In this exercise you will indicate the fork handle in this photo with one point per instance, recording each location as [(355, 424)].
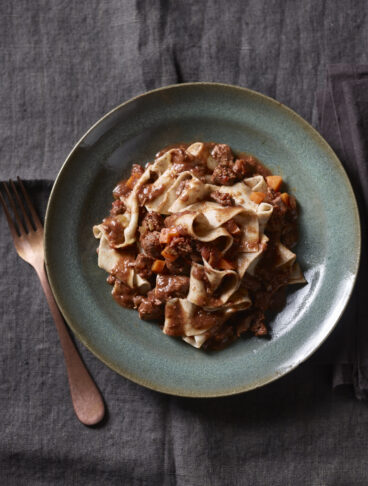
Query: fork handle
[(87, 400)]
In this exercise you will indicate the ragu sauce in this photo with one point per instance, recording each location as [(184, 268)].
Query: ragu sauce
[(164, 253)]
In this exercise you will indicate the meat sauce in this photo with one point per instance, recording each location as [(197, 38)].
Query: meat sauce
[(200, 319), (176, 256)]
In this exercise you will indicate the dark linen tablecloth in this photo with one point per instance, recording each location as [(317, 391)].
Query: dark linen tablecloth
[(64, 64)]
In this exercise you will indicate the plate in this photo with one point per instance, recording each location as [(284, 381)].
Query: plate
[(247, 121)]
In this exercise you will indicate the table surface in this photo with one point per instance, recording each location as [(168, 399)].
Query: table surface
[(65, 64)]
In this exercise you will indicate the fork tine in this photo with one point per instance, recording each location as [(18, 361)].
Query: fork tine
[(8, 217), (29, 226), (15, 211), (35, 217)]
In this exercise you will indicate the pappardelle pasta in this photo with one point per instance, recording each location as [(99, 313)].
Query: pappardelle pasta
[(200, 240)]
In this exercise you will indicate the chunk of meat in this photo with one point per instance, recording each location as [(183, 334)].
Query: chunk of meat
[(258, 327), (223, 175), (278, 300), (178, 267), (293, 205), (292, 212), (211, 254), (142, 213), (277, 219), (243, 169), (232, 227), (182, 161), (289, 234), (125, 186), (118, 207), (120, 190), (114, 230), (143, 265), (265, 269), (151, 222), (200, 171), (151, 308), (253, 166), (272, 197), (285, 198), (148, 192), (123, 294), (251, 283), (222, 153), (150, 242), (180, 155), (137, 299), (243, 322), (170, 286), (222, 198), (224, 336), (180, 246), (273, 282)]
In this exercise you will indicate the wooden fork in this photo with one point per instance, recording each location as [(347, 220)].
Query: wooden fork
[(28, 240)]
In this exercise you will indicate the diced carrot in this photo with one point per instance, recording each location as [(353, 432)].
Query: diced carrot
[(158, 266), (131, 182), (274, 182), (257, 197), (167, 234), (285, 198), (225, 265), (167, 255)]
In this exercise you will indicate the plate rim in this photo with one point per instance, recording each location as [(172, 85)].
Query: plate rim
[(277, 374)]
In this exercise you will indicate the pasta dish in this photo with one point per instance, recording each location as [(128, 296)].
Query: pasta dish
[(200, 240)]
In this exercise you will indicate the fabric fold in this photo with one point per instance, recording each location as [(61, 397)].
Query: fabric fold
[(343, 121)]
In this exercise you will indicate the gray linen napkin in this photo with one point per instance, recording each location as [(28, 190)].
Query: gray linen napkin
[(343, 121)]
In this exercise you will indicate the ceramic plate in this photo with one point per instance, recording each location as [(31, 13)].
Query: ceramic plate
[(247, 121)]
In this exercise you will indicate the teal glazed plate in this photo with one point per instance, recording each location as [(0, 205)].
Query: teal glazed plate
[(328, 251)]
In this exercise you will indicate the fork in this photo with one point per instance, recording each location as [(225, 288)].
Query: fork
[(28, 240)]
